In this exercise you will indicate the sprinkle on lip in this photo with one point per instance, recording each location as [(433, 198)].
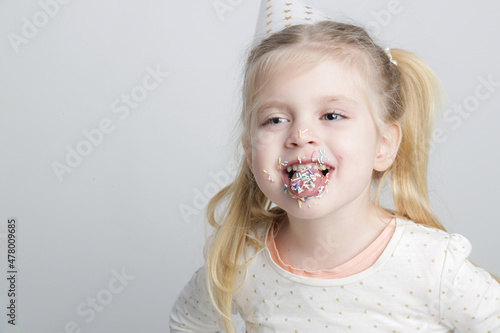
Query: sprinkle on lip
[(304, 179), (341, 156), (323, 155), (281, 164)]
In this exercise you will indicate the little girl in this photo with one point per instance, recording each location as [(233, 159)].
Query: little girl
[(300, 244)]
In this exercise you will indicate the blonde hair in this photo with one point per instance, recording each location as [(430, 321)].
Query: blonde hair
[(408, 93)]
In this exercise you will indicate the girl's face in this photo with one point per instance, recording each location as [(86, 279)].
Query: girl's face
[(317, 122)]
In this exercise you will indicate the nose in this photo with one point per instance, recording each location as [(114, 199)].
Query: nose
[(300, 138)]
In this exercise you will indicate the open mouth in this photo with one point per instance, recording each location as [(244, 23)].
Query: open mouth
[(305, 181), (291, 170)]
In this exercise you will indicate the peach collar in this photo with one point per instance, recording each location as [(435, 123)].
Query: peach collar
[(359, 263)]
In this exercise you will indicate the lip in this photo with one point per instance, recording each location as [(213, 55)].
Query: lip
[(301, 158), (309, 193), (307, 161)]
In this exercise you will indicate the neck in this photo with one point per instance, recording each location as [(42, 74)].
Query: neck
[(331, 240)]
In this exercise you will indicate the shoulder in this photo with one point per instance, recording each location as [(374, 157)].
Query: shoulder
[(433, 237), (434, 248)]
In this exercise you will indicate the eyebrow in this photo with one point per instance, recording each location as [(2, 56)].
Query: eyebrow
[(322, 100), (337, 98), (271, 104)]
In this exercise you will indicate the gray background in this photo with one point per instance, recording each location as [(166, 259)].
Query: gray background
[(119, 210)]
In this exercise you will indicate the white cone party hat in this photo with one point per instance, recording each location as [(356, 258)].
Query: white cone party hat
[(276, 15)]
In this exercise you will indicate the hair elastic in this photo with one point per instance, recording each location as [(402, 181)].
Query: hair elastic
[(389, 54)]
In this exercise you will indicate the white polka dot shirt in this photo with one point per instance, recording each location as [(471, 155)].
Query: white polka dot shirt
[(422, 282)]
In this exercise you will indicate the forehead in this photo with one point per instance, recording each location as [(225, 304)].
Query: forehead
[(329, 80)]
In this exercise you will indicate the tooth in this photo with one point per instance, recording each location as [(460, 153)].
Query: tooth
[(294, 167), (289, 169)]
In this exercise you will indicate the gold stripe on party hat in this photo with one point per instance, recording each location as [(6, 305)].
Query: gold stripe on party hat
[(276, 15)]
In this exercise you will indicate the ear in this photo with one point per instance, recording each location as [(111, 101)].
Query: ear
[(247, 146), (388, 146)]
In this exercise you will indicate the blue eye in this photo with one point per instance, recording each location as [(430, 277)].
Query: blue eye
[(332, 116)]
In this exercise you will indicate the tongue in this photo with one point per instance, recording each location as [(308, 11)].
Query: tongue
[(307, 182)]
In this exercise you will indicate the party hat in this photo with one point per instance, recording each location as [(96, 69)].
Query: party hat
[(276, 15)]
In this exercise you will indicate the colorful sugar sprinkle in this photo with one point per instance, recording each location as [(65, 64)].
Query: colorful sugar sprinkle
[(269, 176), (305, 179), (281, 164), (323, 155)]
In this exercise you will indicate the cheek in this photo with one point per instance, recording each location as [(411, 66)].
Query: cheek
[(356, 149), (261, 139), (266, 146), (265, 157)]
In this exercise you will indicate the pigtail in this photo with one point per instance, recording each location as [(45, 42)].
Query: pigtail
[(420, 99), (245, 208)]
